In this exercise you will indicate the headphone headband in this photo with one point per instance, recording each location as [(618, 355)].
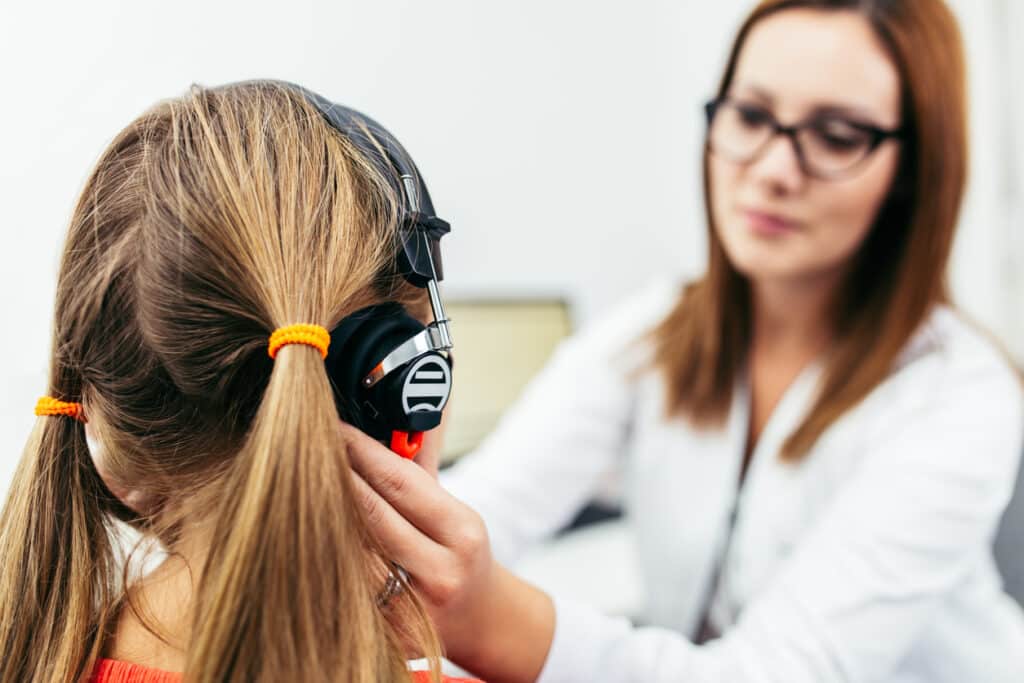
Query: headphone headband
[(421, 229), (376, 143)]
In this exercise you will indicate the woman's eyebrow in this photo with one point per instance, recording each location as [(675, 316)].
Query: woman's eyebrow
[(849, 111), (852, 114), (757, 91)]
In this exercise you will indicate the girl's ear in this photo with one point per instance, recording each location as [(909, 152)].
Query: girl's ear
[(134, 499)]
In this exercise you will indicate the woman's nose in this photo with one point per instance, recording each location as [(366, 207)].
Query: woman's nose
[(778, 166)]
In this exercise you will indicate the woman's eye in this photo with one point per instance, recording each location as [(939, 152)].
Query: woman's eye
[(841, 143), (839, 136), (752, 116)]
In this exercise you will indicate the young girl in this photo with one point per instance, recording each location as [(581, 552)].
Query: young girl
[(185, 401)]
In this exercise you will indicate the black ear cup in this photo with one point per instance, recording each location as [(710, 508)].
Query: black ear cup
[(415, 397), (410, 398)]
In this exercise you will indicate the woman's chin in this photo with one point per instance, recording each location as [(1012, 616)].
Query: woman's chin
[(774, 262)]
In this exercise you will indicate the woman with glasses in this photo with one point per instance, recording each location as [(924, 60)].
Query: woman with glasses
[(817, 445)]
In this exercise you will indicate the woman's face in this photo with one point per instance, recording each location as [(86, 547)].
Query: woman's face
[(775, 222)]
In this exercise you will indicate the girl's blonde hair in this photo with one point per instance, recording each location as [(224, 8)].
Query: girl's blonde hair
[(209, 222)]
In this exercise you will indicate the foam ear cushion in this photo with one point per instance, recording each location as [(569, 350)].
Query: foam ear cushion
[(358, 343)]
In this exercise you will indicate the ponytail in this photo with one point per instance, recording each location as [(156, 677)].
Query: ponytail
[(288, 542), (56, 560)]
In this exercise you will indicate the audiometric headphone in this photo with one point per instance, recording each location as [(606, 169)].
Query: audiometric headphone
[(391, 374)]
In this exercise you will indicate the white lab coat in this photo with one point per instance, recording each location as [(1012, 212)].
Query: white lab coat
[(868, 561)]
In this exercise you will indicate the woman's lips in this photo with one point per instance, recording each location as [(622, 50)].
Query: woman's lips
[(769, 224)]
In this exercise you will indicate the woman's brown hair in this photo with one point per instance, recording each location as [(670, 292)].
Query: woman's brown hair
[(209, 222), (898, 275)]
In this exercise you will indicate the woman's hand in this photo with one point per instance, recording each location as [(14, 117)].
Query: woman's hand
[(492, 623), (440, 541)]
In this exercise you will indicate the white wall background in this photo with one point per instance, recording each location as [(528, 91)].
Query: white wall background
[(560, 138)]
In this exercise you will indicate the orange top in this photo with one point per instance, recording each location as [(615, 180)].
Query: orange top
[(116, 671)]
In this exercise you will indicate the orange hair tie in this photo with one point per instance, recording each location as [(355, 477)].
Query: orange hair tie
[(48, 405), (303, 333)]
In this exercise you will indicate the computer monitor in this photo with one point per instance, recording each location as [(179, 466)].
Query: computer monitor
[(500, 344)]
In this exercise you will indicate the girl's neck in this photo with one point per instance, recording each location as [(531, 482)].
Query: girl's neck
[(164, 596)]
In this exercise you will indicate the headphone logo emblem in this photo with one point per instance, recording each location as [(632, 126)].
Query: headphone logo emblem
[(427, 385)]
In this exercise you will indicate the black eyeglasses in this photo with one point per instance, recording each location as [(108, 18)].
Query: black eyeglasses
[(828, 147)]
